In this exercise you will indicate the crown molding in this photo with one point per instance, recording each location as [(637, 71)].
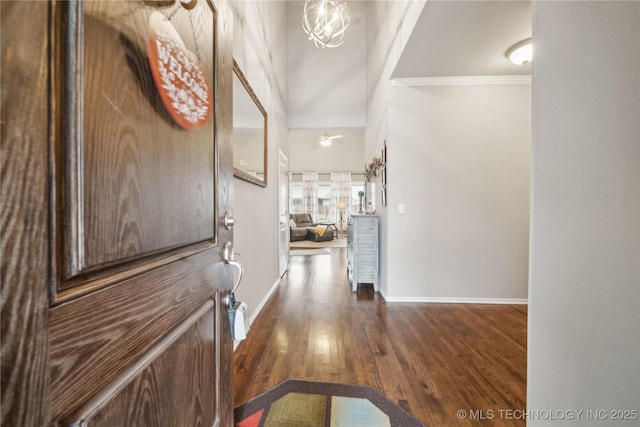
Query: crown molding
[(461, 81)]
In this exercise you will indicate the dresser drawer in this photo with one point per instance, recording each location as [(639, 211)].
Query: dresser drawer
[(363, 250)]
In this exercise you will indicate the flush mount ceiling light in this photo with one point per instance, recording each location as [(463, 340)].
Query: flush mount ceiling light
[(521, 52), (325, 21)]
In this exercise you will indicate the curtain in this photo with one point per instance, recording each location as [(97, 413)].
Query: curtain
[(293, 209), (310, 193), (340, 193)]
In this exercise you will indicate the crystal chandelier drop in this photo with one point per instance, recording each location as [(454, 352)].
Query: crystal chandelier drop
[(325, 21)]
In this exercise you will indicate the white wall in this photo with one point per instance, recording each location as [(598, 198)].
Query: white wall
[(460, 165), (389, 25), (584, 299), (457, 253), (260, 48)]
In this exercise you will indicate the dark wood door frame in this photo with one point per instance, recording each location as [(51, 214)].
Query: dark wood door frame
[(42, 341)]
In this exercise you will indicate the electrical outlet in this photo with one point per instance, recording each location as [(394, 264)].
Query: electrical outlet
[(400, 208)]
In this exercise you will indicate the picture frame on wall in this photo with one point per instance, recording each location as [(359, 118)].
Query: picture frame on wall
[(384, 164), (384, 195), (384, 174), (384, 154)]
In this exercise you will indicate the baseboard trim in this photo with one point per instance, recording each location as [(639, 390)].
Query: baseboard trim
[(264, 301), (445, 300), (259, 308)]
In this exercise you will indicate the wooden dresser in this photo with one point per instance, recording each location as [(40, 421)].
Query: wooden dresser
[(363, 250)]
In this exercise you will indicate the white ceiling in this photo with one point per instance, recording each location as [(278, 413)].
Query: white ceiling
[(466, 38), (327, 87)]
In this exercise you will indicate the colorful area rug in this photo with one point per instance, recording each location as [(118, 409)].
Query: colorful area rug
[(298, 403)]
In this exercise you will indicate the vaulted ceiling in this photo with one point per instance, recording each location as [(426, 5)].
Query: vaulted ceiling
[(327, 87)]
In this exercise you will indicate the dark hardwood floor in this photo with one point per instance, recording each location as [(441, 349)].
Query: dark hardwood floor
[(434, 360)]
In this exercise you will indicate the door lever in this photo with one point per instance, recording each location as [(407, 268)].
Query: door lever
[(228, 256), (237, 311)]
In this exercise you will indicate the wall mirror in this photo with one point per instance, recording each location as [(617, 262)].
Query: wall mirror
[(249, 132)]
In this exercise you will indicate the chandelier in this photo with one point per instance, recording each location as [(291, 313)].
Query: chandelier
[(325, 21)]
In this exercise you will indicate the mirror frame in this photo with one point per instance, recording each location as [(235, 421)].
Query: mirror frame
[(237, 172)]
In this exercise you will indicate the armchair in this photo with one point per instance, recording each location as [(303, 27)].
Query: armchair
[(298, 229)]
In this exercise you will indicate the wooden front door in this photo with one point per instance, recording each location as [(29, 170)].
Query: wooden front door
[(113, 281)]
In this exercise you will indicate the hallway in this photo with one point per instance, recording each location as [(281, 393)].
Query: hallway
[(446, 364)]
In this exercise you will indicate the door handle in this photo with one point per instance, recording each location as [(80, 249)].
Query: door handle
[(238, 265), (228, 257), (236, 310)]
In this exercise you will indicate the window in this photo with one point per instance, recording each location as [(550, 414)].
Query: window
[(355, 200), (297, 205), (324, 202), (324, 213)]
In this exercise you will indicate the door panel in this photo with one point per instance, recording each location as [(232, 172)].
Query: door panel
[(126, 313), (132, 184), (96, 337), (124, 123), (141, 393)]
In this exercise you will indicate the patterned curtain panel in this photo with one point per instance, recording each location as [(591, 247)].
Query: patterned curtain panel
[(310, 193), (340, 193), (292, 207)]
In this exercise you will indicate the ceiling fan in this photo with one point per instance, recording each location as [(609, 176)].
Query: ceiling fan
[(326, 140)]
